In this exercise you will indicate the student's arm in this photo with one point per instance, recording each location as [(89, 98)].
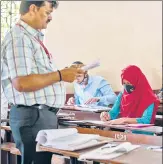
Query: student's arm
[(76, 99), (109, 97), (114, 112), (145, 119), (147, 115)]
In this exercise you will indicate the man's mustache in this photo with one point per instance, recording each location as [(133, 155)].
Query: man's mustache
[(48, 20)]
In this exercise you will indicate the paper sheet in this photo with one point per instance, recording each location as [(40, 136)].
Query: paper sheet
[(91, 66), (139, 125), (109, 153), (93, 108)]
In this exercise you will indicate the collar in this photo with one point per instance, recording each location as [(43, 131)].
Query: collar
[(90, 80), (31, 30)]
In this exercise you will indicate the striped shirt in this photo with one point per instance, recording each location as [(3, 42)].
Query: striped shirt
[(22, 55)]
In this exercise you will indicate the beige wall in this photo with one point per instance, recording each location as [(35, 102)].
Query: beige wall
[(118, 33)]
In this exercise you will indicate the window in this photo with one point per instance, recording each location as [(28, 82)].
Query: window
[(9, 15)]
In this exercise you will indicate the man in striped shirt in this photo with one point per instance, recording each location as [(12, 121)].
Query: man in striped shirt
[(30, 80)]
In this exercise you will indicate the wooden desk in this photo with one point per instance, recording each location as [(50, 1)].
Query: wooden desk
[(6, 128), (152, 129), (140, 155), (82, 115), (96, 109), (74, 155), (130, 137)]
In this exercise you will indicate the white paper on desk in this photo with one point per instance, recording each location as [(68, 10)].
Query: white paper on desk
[(65, 114), (67, 139), (139, 125), (49, 135), (109, 153), (91, 66), (93, 108)]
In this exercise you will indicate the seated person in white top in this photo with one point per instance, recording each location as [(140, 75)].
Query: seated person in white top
[(91, 90)]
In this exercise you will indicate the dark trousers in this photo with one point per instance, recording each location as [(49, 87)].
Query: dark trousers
[(25, 123)]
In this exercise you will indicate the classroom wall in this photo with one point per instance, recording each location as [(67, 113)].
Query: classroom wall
[(117, 33)]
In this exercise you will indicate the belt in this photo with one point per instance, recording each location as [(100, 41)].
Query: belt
[(41, 106)]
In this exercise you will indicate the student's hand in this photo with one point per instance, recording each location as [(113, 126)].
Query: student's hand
[(119, 121), (92, 100), (71, 101), (104, 116), (69, 74)]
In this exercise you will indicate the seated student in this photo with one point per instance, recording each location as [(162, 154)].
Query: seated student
[(91, 90), (136, 104), (160, 95)]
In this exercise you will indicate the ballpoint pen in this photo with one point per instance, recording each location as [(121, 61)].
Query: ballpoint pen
[(109, 146), (153, 148)]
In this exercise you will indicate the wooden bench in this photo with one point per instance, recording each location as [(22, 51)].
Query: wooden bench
[(10, 147), (7, 128)]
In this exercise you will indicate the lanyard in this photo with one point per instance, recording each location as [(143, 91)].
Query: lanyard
[(41, 43)]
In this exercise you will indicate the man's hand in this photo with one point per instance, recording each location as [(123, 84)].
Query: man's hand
[(104, 116), (119, 121), (34, 82), (71, 101), (69, 74), (92, 100)]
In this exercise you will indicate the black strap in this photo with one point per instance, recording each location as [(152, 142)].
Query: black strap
[(60, 75)]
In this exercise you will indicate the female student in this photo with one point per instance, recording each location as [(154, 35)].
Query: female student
[(136, 103)]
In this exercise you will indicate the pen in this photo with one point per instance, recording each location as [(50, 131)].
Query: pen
[(160, 147), (109, 146)]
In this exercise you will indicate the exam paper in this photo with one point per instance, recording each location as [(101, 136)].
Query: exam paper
[(91, 66), (109, 153)]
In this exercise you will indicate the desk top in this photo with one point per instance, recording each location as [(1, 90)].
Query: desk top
[(99, 109), (153, 129), (85, 108), (81, 115), (122, 136), (140, 155)]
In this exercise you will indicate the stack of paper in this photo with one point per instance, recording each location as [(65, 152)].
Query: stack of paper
[(67, 139), (107, 152)]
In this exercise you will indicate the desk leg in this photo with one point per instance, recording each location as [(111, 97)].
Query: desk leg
[(94, 162), (74, 160), (18, 159)]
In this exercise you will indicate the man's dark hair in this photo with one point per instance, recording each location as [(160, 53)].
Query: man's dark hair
[(25, 4), (77, 62)]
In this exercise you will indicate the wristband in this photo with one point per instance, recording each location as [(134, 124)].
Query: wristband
[(59, 75)]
